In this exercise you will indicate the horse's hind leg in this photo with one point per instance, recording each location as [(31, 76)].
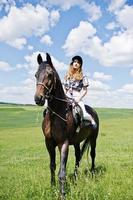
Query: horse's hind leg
[(93, 153), (77, 156), (51, 149)]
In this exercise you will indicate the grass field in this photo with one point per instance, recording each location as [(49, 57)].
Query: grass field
[(24, 161)]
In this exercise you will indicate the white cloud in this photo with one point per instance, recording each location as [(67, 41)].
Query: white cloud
[(77, 37), (101, 95), (125, 17), (6, 4), (18, 43), (122, 56), (4, 66), (93, 11), (98, 86), (65, 5), (114, 54), (28, 82), (46, 39), (109, 53), (59, 65), (54, 17), (116, 5), (112, 25), (30, 47), (131, 72), (112, 99), (31, 64), (26, 21), (21, 66), (22, 94), (128, 88), (101, 76)]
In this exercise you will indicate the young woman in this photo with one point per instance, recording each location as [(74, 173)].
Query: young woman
[(76, 86)]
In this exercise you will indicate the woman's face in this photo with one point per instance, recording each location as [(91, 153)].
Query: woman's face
[(76, 64)]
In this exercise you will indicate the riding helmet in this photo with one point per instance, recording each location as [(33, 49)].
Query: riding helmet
[(78, 58)]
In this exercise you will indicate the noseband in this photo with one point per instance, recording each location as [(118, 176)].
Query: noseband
[(47, 95), (39, 83)]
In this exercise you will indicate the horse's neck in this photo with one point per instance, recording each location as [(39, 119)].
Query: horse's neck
[(58, 101)]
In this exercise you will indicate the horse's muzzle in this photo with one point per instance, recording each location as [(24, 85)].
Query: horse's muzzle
[(39, 100)]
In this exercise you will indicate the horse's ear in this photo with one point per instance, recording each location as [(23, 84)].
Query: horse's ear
[(48, 58), (39, 59)]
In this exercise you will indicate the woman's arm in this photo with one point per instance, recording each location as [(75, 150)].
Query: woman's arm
[(83, 92), (66, 86)]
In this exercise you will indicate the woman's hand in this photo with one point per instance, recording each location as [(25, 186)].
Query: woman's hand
[(77, 100)]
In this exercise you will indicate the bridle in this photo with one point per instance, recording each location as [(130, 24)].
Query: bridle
[(52, 96), (49, 97), (39, 83)]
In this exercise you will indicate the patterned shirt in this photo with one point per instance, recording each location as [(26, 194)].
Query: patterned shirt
[(76, 84)]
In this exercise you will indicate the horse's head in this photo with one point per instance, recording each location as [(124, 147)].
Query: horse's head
[(45, 79)]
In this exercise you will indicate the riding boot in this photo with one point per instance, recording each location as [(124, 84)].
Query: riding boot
[(88, 120)]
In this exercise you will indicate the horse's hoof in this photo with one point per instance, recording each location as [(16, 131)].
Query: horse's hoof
[(75, 176), (63, 197), (92, 172)]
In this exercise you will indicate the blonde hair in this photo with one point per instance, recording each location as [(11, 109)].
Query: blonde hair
[(72, 74)]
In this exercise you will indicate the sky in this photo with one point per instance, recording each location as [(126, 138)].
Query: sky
[(100, 31)]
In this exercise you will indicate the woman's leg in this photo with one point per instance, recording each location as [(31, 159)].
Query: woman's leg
[(86, 116)]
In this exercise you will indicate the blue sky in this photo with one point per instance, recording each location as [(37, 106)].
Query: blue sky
[(100, 31)]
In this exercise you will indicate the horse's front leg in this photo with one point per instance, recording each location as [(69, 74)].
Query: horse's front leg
[(64, 148), (77, 156), (51, 149)]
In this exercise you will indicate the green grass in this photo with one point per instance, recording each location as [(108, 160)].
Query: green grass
[(18, 117), (24, 160)]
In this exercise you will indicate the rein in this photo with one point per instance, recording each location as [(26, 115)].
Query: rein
[(57, 114), (48, 95), (64, 100)]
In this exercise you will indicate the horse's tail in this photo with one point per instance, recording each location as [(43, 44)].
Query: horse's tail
[(85, 147)]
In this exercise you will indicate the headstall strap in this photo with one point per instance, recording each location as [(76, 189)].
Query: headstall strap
[(48, 92)]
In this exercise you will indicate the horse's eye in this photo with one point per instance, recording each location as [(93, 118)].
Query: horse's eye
[(50, 76), (36, 74)]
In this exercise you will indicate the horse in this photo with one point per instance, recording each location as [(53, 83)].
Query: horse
[(59, 124)]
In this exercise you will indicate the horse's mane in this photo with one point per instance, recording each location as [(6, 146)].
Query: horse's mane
[(58, 81)]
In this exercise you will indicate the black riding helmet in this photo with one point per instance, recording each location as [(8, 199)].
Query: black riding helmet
[(78, 58)]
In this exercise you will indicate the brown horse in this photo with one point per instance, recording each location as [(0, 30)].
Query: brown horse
[(59, 125)]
